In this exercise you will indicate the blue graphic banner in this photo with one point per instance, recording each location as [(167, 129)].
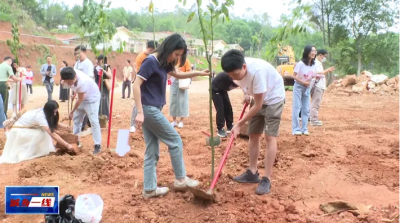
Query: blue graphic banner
[(32, 199)]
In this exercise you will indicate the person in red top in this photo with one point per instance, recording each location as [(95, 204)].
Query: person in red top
[(29, 79)]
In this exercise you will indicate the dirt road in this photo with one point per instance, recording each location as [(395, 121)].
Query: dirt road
[(354, 157)]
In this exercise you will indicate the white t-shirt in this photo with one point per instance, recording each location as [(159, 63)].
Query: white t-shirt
[(32, 118), (304, 72), (85, 84), (262, 78), (29, 77), (319, 68), (85, 66)]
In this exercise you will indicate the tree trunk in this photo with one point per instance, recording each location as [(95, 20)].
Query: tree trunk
[(358, 57), (323, 20)]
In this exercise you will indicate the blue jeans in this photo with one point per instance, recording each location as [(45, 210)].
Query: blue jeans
[(156, 127), (92, 112), (301, 101)]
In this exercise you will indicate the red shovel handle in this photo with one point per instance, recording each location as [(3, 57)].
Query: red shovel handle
[(205, 133), (222, 163)]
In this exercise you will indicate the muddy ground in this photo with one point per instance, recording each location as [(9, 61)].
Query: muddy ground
[(353, 157)]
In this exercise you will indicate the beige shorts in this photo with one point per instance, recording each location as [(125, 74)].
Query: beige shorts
[(267, 120)]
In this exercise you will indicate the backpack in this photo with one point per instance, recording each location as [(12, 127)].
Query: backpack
[(66, 207)]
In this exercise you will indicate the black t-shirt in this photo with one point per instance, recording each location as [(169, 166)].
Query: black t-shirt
[(48, 78), (223, 82), (97, 76)]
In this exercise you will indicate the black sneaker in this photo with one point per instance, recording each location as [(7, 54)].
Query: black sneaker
[(229, 129), (221, 133), (97, 149), (248, 177), (264, 187)]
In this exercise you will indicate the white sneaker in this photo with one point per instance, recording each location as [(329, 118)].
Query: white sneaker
[(186, 183), (180, 125), (306, 133), (173, 124), (160, 191), (132, 129)]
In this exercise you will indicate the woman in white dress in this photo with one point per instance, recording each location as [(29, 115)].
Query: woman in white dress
[(31, 134)]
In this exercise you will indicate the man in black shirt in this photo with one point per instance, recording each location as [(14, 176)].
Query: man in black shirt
[(221, 84)]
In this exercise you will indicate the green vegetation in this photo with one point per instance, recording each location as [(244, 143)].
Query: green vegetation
[(359, 34)]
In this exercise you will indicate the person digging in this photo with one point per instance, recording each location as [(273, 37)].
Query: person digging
[(87, 103), (260, 80)]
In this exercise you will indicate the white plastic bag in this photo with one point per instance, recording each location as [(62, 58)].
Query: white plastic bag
[(185, 83), (88, 208)]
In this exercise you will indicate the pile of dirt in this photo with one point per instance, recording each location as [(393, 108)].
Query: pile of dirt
[(365, 83)]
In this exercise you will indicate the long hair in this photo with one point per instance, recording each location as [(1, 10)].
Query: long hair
[(167, 47), (306, 52), (12, 66), (52, 119), (102, 62)]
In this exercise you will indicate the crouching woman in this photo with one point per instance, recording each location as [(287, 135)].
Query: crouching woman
[(32, 133)]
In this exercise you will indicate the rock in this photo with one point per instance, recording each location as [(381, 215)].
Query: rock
[(121, 165), (311, 153), (23, 173), (289, 158), (292, 218), (349, 80), (239, 193), (358, 88), (290, 207)]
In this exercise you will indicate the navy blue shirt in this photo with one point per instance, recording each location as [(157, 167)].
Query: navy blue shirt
[(153, 89)]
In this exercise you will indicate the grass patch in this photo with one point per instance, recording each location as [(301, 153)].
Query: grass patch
[(203, 66), (288, 88)]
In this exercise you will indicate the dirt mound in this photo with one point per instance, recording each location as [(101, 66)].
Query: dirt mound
[(365, 83)]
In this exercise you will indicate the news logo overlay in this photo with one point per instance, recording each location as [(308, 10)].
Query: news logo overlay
[(32, 200)]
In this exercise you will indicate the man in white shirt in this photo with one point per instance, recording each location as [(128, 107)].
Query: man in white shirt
[(127, 72), (318, 87), (260, 80), (83, 63), (86, 66), (87, 103)]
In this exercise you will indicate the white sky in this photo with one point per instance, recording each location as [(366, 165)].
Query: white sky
[(274, 8)]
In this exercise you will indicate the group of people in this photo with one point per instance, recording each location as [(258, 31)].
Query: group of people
[(261, 84)]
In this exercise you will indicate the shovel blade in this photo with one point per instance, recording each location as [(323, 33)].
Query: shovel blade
[(202, 194)]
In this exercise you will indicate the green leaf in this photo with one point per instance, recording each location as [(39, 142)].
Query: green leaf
[(191, 16), (184, 2), (225, 10), (199, 3)]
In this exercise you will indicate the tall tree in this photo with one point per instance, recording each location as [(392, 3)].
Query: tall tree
[(364, 17)]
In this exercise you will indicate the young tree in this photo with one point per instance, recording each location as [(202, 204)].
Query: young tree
[(216, 11), (14, 44), (94, 17)]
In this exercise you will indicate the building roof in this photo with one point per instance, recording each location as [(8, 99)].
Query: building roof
[(163, 35)]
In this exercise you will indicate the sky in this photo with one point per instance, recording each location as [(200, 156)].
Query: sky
[(273, 8)]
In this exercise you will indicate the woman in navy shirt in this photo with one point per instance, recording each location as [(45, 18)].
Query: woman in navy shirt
[(149, 92)]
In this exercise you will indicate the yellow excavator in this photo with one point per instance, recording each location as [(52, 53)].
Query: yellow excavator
[(285, 63)]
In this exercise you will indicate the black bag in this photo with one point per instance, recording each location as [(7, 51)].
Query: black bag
[(66, 206)]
